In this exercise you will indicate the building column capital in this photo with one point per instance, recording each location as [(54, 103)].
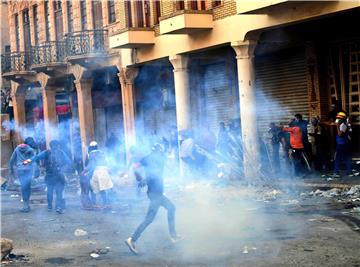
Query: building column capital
[(16, 91), (128, 75), (244, 49), (179, 62), (43, 79), (83, 84), (79, 72)]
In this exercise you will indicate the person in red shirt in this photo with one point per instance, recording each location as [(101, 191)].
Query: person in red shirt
[(296, 145)]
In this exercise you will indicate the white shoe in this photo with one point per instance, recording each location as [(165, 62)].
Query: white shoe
[(131, 245), (176, 239)]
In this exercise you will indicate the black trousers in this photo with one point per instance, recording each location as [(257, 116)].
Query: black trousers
[(155, 203)]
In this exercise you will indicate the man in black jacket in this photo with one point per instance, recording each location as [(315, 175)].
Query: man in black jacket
[(154, 167), (55, 161)]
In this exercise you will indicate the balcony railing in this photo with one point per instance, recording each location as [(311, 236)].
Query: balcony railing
[(86, 43), (15, 62), (47, 53)]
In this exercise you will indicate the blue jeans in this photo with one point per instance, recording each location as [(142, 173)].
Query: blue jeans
[(343, 154), (25, 182), (155, 202), (58, 187)]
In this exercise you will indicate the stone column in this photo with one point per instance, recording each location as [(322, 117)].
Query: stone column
[(18, 100), (246, 80), (127, 77), (182, 97), (50, 116), (182, 91), (86, 118)]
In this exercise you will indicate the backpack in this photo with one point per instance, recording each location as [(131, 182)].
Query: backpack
[(52, 163)]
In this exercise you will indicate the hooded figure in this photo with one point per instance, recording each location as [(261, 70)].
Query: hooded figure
[(23, 172), (55, 162)]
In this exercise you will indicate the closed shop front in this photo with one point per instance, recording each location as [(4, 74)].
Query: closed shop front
[(220, 97), (281, 87), (155, 103)]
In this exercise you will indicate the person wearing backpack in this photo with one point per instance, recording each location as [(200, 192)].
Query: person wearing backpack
[(55, 160)]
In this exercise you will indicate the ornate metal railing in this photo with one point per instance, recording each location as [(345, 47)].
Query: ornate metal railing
[(16, 61), (49, 52), (86, 42)]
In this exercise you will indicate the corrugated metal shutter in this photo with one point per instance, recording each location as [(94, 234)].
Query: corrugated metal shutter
[(114, 121), (218, 96), (100, 126), (281, 88)]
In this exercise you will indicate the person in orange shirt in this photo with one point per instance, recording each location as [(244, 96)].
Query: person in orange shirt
[(296, 145)]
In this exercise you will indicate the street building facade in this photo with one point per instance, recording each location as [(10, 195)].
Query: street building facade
[(83, 70)]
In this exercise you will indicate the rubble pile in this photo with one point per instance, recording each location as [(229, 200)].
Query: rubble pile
[(6, 247), (350, 197)]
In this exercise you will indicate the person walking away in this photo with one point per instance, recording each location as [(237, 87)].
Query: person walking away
[(98, 173), (154, 168), (55, 162), (296, 145), (23, 172), (343, 140), (87, 196), (275, 146)]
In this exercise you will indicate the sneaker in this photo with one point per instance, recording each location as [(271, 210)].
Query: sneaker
[(336, 175), (25, 209), (176, 239), (49, 209), (131, 245), (60, 211)]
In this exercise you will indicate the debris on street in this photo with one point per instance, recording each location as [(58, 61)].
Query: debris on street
[(6, 247), (94, 255), (80, 232)]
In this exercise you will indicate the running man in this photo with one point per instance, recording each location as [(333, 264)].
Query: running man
[(154, 167)]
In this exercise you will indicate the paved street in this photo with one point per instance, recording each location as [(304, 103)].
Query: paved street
[(221, 226)]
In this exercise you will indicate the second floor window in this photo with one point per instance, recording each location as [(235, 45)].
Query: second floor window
[(17, 33), (180, 5), (36, 25), (70, 16), (111, 7), (83, 15), (47, 21), (128, 13), (26, 28), (216, 3)]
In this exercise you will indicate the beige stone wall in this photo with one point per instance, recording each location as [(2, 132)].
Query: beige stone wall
[(4, 27), (167, 7), (226, 9)]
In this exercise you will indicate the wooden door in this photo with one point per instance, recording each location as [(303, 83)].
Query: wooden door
[(97, 14)]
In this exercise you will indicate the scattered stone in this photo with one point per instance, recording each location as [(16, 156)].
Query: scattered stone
[(100, 251), (354, 190), (80, 232), (321, 220), (6, 247), (94, 255)]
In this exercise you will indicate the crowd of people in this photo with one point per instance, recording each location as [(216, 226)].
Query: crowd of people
[(286, 146), (330, 146), (287, 151), (95, 179)]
